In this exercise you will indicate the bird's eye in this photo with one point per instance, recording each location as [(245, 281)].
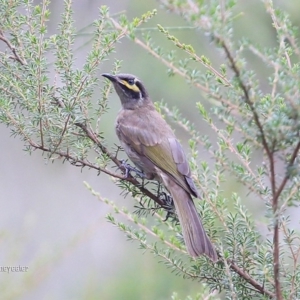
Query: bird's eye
[(130, 81)]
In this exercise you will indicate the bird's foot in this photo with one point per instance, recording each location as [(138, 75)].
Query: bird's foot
[(168, 205), (128, 168)]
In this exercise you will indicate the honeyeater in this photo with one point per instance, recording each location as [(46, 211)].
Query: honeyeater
[(152, 146)]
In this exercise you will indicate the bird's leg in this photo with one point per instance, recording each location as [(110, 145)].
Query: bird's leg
[(128, 168), (159, 192), (168, 205)]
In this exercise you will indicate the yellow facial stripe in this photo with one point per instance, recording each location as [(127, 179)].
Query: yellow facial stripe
[(131, 87)]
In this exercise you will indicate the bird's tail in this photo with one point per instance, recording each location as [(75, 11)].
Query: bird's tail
[(195, 237)]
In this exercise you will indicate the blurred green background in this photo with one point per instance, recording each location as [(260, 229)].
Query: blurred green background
[(52, 224)]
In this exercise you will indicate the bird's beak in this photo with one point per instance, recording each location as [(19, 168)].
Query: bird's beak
[(111, 77)]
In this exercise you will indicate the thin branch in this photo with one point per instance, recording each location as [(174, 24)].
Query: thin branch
[(250, 280), (92, 136), (188, 49), (77, 161), (176, 70), (142, 226), (295, 256), (245, 90), (286, 177), (227, 270), (281, 27), (12, 48)]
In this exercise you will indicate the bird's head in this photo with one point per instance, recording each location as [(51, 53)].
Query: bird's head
[(130, 89)]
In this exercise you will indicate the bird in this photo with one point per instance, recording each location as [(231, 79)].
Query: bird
[(152, 146)]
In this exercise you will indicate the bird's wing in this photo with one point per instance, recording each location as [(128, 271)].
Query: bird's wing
[(161, 148)]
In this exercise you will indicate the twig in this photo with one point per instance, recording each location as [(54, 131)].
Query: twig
[(188, 49), (295, 256), (91, 135), (130, 218), (286, 177), (176, 70), (12, 48), (281, 27), (250, 280)]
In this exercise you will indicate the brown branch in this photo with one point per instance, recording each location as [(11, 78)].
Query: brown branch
[(92, 136), (40, 87), (84, 163), (12, 48), (286, 178), (62, 134), (245, 90), (276, 253), (250, 280), (75, 161), (270, 155)]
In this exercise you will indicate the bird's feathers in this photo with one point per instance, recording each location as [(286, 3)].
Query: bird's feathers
[(196, 239), (160, 146)]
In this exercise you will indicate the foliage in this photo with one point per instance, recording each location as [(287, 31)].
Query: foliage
[(57, 116)]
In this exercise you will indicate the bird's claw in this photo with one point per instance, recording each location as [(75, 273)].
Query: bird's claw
[(168, 205), (128, 168)]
